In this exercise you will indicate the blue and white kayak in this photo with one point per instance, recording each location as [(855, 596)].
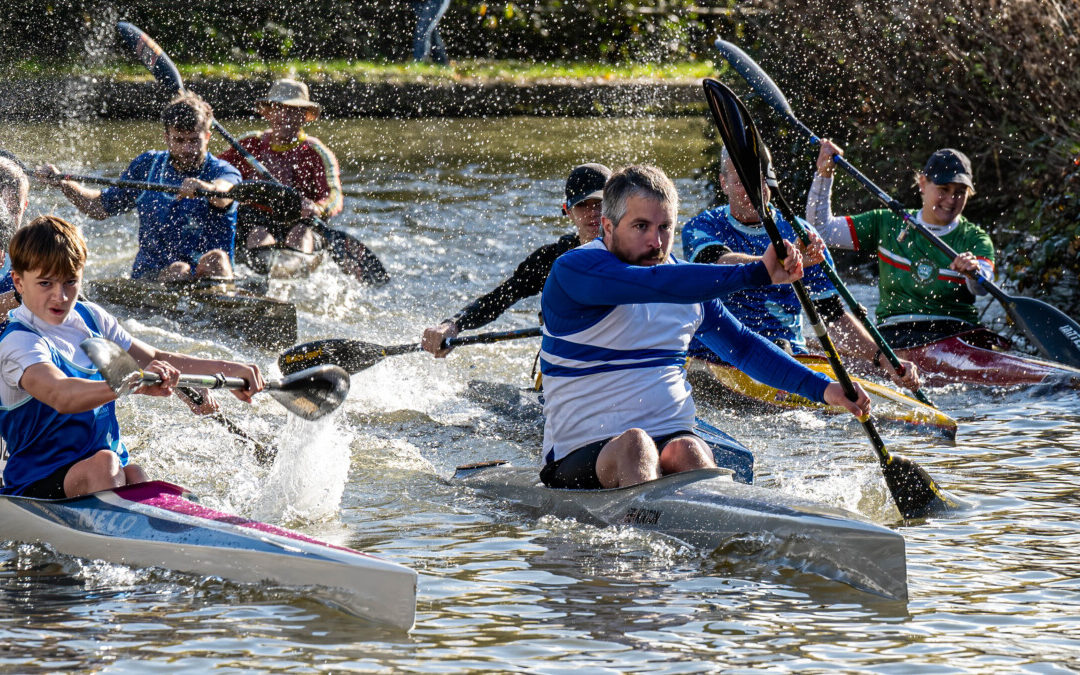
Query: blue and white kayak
[(707, 509), (156, 524)]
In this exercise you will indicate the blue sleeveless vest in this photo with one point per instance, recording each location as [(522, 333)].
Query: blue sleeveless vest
[(41, 440)]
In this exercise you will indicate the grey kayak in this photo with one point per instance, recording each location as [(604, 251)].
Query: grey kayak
[(705, 509)]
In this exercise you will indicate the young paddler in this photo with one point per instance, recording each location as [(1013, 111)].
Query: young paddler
[(584, 190), (57, 416), (619, 314)]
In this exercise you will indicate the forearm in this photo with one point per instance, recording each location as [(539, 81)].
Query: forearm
[(760, 358), (220, 185), (737, 259), (833, 229), (66, 395), (615, 283), (87, 200)]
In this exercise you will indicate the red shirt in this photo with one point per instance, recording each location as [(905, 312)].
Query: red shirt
[(307, 165)]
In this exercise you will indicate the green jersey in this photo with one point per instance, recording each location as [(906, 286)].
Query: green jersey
[(914, 276)]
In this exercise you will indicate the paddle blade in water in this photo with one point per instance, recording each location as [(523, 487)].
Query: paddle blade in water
[(117, 366), (282, 201), (1054, 334), (152, 56), (313, 392), (915, 492), (352, 355)]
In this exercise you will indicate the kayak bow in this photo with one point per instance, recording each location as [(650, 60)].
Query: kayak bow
[(155, 524)]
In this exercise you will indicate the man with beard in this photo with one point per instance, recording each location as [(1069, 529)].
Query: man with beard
[(619, 314), (180, 236), (584, 189)]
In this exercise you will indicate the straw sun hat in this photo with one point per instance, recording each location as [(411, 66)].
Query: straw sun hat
[(291, 93)]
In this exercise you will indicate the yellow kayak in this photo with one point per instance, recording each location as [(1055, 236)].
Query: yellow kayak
[(890, 407)]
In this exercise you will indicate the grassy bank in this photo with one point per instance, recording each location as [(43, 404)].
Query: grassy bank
[(476, 70)]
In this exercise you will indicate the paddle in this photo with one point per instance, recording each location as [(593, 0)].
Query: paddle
[(310, 393), (914, 491), (856, 307), (354, 356), (263, 454), (351, 255), (1054, 334), (282, 201)]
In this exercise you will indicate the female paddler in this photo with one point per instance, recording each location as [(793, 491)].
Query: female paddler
[(922, 291), (57, 415)]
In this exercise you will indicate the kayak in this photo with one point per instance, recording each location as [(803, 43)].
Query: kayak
[(706, 509), (158, 524), (259, 320), (891, 409), (716, 510), (978, 356)]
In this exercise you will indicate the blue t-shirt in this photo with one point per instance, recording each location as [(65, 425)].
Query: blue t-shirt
[(171, 229), (771, 311)]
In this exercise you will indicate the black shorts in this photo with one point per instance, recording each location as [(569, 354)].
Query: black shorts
[(577, 471), (50, 487)]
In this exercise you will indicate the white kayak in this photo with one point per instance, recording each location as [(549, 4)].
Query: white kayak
[(156, 524), (706, 509)]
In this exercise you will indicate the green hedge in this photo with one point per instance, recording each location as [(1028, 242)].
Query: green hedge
[(203, 30)]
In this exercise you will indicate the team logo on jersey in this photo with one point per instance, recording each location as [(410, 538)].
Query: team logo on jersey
[(924, 271)]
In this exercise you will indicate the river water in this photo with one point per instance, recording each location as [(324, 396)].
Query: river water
[(451, 207)]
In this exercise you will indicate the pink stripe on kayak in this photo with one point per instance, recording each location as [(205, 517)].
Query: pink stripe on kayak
[(169, 497)]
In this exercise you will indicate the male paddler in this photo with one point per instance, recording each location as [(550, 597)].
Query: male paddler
[(180, 236), (733, 234), (294, 158), (14, 198), (584, 190), (619, 314), (57, 416)]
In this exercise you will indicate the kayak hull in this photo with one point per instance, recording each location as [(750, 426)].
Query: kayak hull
[(258, 320), (891, 408), (705, 509), (978, 357), (155, 524)]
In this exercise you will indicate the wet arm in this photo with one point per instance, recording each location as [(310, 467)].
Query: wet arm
[(67, 395)]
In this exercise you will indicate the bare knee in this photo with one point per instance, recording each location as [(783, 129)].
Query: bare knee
[(685, 454), (260, 236), (214, 263), (301, 238), (177, 271), (100, 471), (628, 459)]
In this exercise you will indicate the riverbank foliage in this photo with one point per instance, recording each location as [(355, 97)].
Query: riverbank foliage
[(893, 81), (245, 30)]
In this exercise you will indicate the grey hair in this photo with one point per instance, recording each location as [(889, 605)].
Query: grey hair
[(13, 183), (642, 181)]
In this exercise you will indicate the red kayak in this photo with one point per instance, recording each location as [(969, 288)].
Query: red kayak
[(978, 356)]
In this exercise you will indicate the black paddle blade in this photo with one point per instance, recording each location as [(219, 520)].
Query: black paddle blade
[(914, 491), (352, 355), (755, 76), (118, 368), (1054, 334), (152, 56), (353, 257), (740, 138), (281, 200), (313, 392)]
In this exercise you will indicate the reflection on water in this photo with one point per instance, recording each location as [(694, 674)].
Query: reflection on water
[(451, 207)]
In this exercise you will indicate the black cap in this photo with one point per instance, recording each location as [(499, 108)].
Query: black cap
[(586, 182), (949, 166)]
